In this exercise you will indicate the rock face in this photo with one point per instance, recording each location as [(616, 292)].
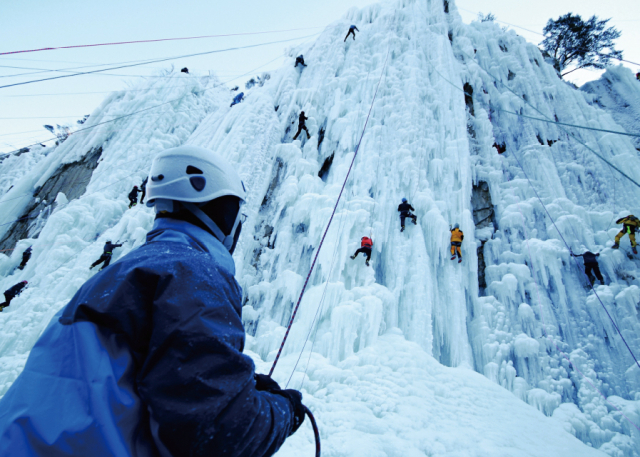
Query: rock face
[(71, 179), (484, 219)]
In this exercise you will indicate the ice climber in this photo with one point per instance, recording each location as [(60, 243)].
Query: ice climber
[(300, 60), (456, 241), (237, 99), (185, 70), (405, 211), (301, 125), (133, 196), (143, 189), (146, 359), (106, 255), (352, 31), (629, 226), (9, 295), (591, 265), (26, 255), (366, 244)]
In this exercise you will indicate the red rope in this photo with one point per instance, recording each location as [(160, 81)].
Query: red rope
[(146, 41), (295, 310)]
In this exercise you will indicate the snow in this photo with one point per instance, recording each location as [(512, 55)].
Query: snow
[(409, 356)]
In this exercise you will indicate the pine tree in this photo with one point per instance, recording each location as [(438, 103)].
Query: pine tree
[(570, 41)]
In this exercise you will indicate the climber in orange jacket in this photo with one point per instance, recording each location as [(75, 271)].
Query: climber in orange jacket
[(629, 226), (366, 244), (456, 241)]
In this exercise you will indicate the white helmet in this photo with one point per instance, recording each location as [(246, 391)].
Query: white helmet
[(193, 175)]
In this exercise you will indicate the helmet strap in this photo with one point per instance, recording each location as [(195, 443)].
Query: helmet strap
[(227, 241)]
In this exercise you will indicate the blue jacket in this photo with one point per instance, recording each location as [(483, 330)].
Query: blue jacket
[(146, 360), (238, 98)]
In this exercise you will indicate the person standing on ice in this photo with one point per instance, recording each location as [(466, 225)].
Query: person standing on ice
[(366, 244), (237, 99), (26, 255), (106, 255), (629, 226), (456, 241), (301, 126), (352, 31), (143, 189), (405, 211), (133, 196), (10, 294), (591, 265), (300, 60), (146, 359)]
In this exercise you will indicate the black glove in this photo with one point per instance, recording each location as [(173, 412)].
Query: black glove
[(265, 383), (295, 398)]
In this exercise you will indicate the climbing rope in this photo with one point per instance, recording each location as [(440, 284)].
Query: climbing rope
[(295, 309), (544, 328), (574, 259)]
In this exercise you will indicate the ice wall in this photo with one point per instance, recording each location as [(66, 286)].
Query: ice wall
[(618, 92), (385, 355)]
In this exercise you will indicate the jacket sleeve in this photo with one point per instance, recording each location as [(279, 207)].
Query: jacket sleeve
[(411, 208), (197, 384)]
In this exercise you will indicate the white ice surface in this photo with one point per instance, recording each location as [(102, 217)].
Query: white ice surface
[(409, 356)]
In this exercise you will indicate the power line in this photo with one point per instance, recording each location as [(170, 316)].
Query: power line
[(155, 61), (151, 41), (146, 109), (568, 125)]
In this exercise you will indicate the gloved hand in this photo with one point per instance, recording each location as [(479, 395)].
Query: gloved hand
[(265, 383), (295, 398)]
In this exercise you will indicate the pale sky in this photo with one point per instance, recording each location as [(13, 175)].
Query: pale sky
[(29, 24)]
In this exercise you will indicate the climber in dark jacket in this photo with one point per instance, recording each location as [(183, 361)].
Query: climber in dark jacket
[(300, 60), (146, 359), (405, 211), (237, 99), (10, 294), (591, 265), (143, 189), (301, 125), (106, 255), (351, 31), (133, 196), (26, 255)]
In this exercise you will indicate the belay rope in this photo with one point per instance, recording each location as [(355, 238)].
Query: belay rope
[(295, 309)]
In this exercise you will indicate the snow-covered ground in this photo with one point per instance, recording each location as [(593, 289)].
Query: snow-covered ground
[(411, 356)]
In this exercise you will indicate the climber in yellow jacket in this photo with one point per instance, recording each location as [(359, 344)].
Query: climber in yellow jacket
[(456, 241), (629, 225)]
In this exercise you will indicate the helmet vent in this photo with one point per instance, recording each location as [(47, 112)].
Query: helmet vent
[(198, 182), (191, 170)]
